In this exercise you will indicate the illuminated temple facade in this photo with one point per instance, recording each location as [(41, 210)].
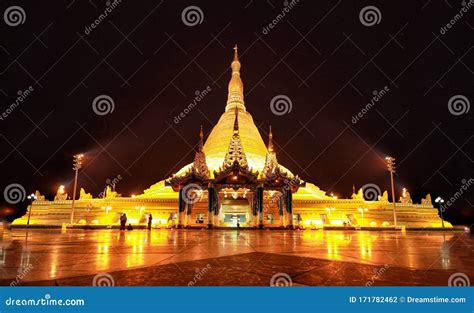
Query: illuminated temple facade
[(234, 180)]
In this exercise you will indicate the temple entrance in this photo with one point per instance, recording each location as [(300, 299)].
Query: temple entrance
[(235, 219), (235, 211)]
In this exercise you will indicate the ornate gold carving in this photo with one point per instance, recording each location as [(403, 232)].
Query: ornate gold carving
[(84, 195)]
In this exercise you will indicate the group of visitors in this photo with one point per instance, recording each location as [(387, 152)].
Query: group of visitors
[(123, 222)]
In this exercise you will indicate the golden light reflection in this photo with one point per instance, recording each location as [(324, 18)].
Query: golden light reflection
[(109, 250)]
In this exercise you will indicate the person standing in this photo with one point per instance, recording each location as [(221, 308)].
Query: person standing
[(150, 221), (123, 221)]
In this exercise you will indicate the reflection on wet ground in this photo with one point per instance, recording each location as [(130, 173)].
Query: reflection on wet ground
[(250, 257)]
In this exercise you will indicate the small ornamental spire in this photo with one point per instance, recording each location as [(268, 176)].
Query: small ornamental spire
[(270, 140), (271, 162), (200, 164), (201, 141), (235, 152)]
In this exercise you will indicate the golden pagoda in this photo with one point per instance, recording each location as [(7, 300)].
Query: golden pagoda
[(235, 180)]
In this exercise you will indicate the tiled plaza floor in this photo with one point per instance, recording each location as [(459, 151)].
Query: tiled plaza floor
[(231, 257)]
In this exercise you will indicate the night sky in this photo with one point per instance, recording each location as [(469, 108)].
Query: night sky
[(320, 55)]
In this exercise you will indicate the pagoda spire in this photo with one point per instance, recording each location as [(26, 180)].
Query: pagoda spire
[(235, 95), (270, 139), (271, 162), (201, 139), (235, 153), (200, 164)]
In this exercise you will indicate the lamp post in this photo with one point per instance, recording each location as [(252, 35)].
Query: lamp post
[(391, 168), (32, 198), (440, 201), (77, 163)]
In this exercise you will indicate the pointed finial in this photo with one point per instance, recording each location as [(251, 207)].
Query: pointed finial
[(201, 139), (236, 54), (270, 139)]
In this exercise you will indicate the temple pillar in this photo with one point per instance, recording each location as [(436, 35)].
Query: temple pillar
[(250, 199), (189, 211), (260, 206), (217, 208), (281, 211), (289, 207), (181, 208), (210, 206)]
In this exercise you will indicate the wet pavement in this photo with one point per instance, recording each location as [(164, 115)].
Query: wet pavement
[(232, 257)]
